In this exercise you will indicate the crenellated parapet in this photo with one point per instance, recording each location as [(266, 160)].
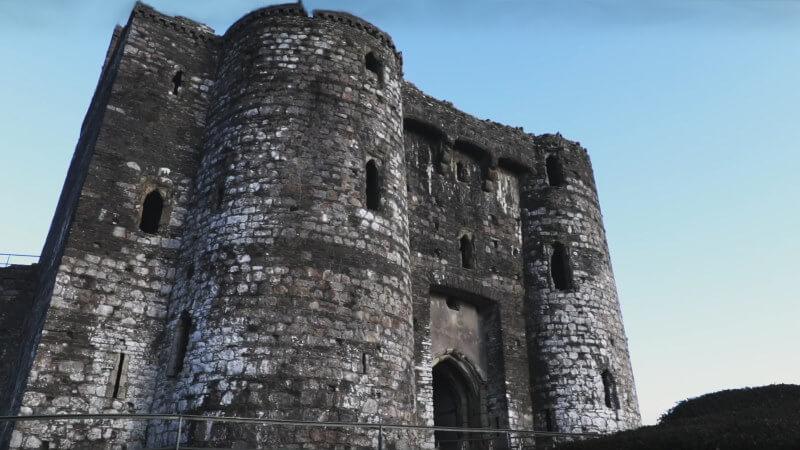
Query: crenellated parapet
[(360, 24), (180, 24)]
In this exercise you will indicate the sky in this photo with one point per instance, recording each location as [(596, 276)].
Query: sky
[(690, 111)]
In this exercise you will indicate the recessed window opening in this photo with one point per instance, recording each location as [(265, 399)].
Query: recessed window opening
[(373, 189), (151, 212), (560, 270), (219, 195), (548, 420), (512, 166), (453, 304), (555, 171), (180, 344), (610, 390), (467, 253), (429, 141), (461, 172), (364, 363), (249, 60), (472, 150), (118, 376), (177, 81), (374, 65)]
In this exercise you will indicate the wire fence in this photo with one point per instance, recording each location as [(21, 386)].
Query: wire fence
[(382, 435), (8, 259)]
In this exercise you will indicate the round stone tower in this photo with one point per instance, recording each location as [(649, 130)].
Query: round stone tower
[(581, 371), (294, 298)]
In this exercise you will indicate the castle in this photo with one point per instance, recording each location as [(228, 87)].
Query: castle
[(274, 223)]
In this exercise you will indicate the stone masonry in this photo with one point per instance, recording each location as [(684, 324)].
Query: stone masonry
[(274, 223)]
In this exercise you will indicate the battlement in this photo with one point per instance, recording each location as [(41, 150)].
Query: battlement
[(298, 10), (361, 24), (178, 23), (283, 10)]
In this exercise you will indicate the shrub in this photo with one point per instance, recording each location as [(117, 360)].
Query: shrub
[(766, 417)]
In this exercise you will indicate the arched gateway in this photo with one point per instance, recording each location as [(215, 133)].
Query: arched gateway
[(456, 402)]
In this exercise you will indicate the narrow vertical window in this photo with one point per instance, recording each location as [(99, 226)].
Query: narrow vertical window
[(180, 344), (461, 172), (610, 390), (151, 212), (467, 253), (374, 65), (249, 59), (364, 363), (373, 186), (555, 172), (119, 378), (560, 270), (548, 420), (219, 195), (177, 81)]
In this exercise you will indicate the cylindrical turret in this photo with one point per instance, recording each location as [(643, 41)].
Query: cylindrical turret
[(298, 297), (582, 378)]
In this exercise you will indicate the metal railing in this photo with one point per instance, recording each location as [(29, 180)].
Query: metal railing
[(7, 259), (511, 438)]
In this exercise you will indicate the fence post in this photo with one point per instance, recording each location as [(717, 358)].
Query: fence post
[(178, 439)]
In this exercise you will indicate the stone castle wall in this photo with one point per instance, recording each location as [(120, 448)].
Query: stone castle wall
[(275, 286), (17, 291), (111, 286)]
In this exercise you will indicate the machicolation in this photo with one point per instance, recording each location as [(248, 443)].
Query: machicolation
[(273, 223)]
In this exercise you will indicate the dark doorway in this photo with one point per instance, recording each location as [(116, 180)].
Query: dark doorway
[(455, 404)]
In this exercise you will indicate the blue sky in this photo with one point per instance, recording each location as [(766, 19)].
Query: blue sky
[(690, 111)]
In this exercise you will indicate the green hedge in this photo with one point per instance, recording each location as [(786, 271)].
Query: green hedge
[(752, 418)]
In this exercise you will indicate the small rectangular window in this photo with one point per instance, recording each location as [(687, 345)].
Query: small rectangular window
[(374, 65), (555, 171)]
